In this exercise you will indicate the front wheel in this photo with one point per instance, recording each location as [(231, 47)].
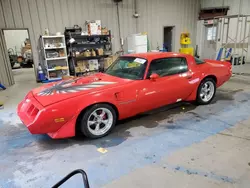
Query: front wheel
[(98, 120), (206, 91)]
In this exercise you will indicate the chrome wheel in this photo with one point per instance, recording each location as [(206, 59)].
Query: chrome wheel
[(100, 121), (207, 91)]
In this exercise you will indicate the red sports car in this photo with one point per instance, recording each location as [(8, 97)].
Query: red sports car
[(133, 84)]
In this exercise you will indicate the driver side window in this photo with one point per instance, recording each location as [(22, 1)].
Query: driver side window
[(168, 66)]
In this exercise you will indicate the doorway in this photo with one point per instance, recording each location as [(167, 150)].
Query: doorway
[(168, 38), (209, 49), (20, 54)]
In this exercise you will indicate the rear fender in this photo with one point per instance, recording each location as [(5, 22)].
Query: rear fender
[(193, 95)]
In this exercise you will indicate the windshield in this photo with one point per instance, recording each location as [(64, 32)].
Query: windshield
[(128, 67)]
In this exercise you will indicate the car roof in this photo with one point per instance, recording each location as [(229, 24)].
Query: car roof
[(156, 55)]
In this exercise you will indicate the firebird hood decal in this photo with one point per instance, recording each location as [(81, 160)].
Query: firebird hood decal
[(71, 86)]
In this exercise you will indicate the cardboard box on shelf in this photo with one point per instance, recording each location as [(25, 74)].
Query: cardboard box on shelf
[(94, 27), (105, 31), (114, 57), (66, 77), (107, 62), (82, 69), (82, 63), (79, 63), (77, 69), (99, 51), (93, 64)]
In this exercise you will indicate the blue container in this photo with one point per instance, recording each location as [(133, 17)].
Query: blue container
[(1, 86)]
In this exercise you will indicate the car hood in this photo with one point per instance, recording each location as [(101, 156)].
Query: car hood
[(58, 91)]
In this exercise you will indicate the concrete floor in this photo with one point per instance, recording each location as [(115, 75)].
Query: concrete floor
[(177, 146)]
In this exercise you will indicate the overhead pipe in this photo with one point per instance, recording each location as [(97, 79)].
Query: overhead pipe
[(119, 26), (136, 14), (135, 4)]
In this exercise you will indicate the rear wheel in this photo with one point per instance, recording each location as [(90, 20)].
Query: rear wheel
[(206, 91), (98, 121)]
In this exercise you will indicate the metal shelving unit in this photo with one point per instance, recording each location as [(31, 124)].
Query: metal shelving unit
[(91, 57), (57, 64), (87, 42)]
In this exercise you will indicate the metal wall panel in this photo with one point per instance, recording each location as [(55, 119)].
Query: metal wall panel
[(8, 13), (234, 8), (6, 77), (17, 16), (36, 15), (159, 13), (233, 4)]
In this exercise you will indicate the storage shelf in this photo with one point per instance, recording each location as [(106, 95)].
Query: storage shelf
[(55, 79), (56, 58), (56, 69), (88, 36), (55, 36), (90, 44), (51, 48), (91, 57)]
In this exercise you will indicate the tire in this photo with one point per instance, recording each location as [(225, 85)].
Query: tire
[(98, 121), (204, 95)]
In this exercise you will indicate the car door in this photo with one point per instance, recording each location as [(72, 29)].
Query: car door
[(171, 86)]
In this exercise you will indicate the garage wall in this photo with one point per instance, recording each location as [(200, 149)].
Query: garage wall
[(233, 4), (155, 14), (6, 77), (234, 7), (36, 15)]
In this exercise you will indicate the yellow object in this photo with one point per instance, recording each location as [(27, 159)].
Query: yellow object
[(102, 150), (185, 41), (189, 51), (185, 38), (133, 64), (61, 68)]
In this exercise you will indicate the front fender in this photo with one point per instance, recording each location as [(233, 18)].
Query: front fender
[(71, 108)]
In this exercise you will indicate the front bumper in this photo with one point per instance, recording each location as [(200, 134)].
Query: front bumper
[(42, 120)]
